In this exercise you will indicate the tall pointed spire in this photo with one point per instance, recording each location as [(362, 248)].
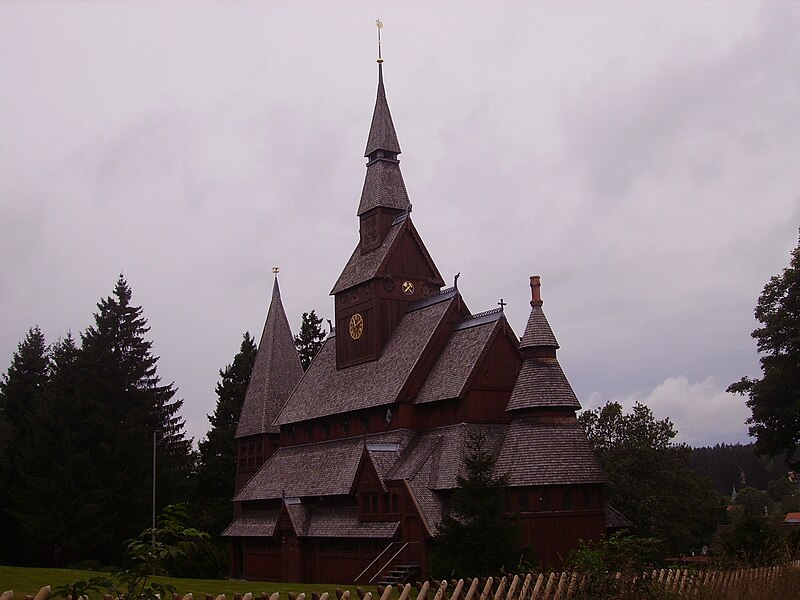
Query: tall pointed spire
[(383, 185), (382, 134), (275, 373)]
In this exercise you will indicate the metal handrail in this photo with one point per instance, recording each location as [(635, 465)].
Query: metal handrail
[(388, 563), (375, 560)]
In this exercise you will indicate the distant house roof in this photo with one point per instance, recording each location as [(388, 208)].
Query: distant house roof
[(792, 517), (535, 453), (326, 390), (276, 371), (542, 384)]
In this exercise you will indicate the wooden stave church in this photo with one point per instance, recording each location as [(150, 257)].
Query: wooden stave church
[(343, 472)]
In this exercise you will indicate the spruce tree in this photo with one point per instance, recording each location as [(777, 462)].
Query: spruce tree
[(476, 539), (21, 390), (216, 473), (46, 500), (121, 390), (310, 339)]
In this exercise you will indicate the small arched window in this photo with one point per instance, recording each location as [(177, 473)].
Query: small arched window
[(524, 503), (567, 501), (545, 502)]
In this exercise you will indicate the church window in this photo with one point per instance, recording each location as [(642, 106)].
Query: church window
[(395, 503), (365, 421), (524, 503), (567, 501), (373, 504), (309, 431), (587, 499), (386, 507), (291, 433), (345, 426), (326, 428), (545, 502)]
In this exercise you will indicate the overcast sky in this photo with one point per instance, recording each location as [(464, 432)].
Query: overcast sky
[(643, 158)]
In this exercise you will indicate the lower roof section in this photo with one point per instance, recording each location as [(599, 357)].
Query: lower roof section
[(542, 453), (255, 523), (336, 522), (318, 469)]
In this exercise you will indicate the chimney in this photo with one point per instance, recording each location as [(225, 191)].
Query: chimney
[(536, 291)]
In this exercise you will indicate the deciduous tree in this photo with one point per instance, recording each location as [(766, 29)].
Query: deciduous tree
[(775, 398), (651, 480)]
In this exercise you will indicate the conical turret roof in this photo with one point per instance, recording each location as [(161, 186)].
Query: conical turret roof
[(276, 371), (537, 332)]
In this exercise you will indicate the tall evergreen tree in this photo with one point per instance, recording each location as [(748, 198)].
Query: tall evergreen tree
[(46, 499), (476, 538), (310, 339), (21, 389), (216, 473), (121, 390), (775, 398)]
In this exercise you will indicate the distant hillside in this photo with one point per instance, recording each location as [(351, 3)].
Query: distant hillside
[(729, 465)]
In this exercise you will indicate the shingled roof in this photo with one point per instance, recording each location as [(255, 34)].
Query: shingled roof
[(444, 449), (326, 390), (363, 267), (542, 384), (382, 135), (318, 469), (275, 373), (462, 354), (541, 453), (342, 522), (383, 186), (255, 523)]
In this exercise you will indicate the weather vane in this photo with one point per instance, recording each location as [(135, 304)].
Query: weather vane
[(276, 270), (379, 25)]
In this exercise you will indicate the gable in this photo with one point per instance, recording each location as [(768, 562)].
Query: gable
[(402, 249), (366, 475)]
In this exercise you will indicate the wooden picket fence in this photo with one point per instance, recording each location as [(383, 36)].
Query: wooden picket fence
[(779, 582)]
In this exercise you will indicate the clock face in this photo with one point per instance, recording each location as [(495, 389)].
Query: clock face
[(356, 326), (408, 287)]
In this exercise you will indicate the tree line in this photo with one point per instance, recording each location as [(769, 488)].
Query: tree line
[(78, 420)]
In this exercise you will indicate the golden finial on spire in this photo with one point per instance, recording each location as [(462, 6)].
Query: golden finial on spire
[(276, 270), (379, 25)]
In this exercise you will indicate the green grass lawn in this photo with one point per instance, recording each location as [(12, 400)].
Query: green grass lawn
[(28, 580)]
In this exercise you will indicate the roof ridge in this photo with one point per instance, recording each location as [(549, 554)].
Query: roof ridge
[(436, 298)]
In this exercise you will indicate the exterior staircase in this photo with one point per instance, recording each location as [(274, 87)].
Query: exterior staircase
[(401, 574)]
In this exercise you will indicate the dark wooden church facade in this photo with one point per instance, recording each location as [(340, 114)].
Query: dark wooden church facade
[(344, 472)]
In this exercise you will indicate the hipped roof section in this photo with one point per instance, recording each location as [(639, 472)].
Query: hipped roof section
[(275, 373)]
